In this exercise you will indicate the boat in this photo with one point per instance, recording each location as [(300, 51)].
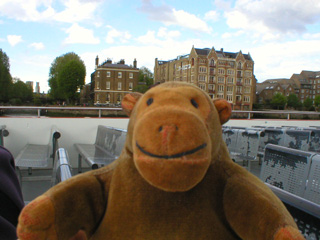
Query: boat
[(18, 131)]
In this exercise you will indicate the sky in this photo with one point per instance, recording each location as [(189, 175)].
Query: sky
[(282, 36)]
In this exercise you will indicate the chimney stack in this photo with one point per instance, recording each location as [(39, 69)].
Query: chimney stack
[(97, 62), (135, 63)]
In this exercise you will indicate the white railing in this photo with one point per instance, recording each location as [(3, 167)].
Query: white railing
[(38, 109), (249, 114)]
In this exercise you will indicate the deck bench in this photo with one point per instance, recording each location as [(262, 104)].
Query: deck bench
[(38, 155), (107, 147), (294, 176), (3, 133)]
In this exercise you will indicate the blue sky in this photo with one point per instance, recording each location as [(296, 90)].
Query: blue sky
[(283, 37)]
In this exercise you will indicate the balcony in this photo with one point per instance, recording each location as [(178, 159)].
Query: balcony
[(211, 91), (211, 81), (239, 83), (238, 102)]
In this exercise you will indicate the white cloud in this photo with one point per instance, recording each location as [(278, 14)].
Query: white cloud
[(164, 33), (273, 17), (43, 10), (14, 39), (79, 34), (212, 16), (37, 46), (115, 35), (77, 10), (171, 16), (27, 10), (282, 59)]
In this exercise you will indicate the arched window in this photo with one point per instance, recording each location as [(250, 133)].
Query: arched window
[(192, 62), (211, 62)]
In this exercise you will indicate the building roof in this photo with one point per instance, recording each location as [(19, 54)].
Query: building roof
[(221, 53)]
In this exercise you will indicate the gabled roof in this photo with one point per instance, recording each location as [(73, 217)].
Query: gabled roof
[(221, 54)]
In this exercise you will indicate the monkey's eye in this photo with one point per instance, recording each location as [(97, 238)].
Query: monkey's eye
[(194, 103), (149, 101)]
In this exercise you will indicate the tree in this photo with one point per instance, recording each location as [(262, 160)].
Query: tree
[(278, 101), (317, 101), (66, 76), (21, 91), (308, 104), (72, 77), (145, 80), (293, 101), (5, 77)]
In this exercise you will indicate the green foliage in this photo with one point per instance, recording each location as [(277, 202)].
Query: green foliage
[(5, 77), (145, 80), (20, 90), (66, 76), (293, 101), (278, 101), (317, 101), (308, 105)]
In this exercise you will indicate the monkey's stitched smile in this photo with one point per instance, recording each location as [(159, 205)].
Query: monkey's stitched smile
[(177, 155)]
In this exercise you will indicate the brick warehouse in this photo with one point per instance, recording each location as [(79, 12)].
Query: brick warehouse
[(221, 74)]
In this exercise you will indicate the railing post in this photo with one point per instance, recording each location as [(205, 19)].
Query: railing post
[(288, 116), (38, 112), (99, 113), (249, 115)]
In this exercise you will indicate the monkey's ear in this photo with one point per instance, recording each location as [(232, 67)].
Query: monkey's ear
[(129, 101), (224, 109)]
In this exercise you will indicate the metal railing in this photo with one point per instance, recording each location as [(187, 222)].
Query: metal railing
[(3, 133), (38, 109), (248, 113), (62, 170)]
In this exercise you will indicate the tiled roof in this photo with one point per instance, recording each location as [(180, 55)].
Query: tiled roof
[(112, 65)]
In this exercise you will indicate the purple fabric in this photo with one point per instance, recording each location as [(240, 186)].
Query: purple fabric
[(11, 200)]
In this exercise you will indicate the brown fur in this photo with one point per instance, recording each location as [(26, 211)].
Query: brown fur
[(173, 180)]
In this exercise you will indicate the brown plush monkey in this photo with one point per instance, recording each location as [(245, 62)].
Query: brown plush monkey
[(173, 180)]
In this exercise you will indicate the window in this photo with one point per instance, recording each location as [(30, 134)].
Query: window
[(247, 81), (230, 72), (230, 80), (239, 89), (98, 74), (221, 71), (220, 79), (246, 89), (211, 79), (202, 78), (203, 69), (108, 74), (119, 85), (230, 89), (211, 87), (130, 85), (202, 61), (192, 62), (220, 88), (98, 85), (231, 64), (107, 85), (98, 98), (248, 74), (130, 75), (119, 74), (229, 98), (246, 98), (202, 86), (119, 98), (239, 65), (211, 62), (107, 97), (220, 95)]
